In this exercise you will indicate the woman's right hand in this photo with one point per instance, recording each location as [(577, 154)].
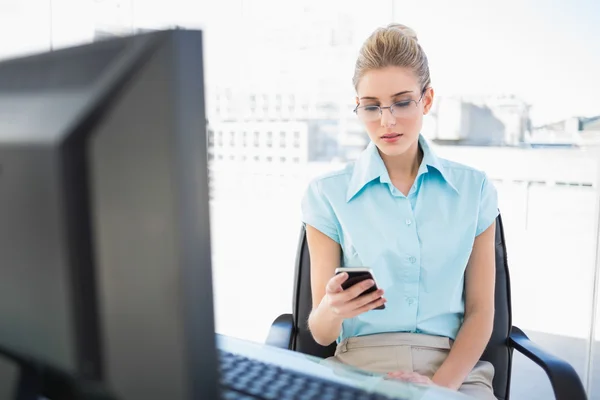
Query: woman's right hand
[(349, 303)]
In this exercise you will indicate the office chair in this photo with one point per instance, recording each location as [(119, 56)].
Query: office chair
[(290, 331)]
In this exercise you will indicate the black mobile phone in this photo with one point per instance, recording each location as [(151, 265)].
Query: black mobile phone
[(356, 275)]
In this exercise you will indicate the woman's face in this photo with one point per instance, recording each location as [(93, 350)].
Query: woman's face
[(398, 87)]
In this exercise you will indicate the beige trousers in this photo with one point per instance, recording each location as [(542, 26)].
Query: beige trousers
[(388, 352)]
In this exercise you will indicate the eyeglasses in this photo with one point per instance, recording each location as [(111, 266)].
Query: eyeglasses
[(401, 109)]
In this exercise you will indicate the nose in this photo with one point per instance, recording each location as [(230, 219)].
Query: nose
[(387, 119)]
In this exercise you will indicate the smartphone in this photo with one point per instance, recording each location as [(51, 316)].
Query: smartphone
[(356, 275)]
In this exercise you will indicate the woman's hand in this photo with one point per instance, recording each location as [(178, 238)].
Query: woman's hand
[(349, 303), (408, 376)]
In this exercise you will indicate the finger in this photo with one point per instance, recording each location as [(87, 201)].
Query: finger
[(395, 375), (368, 307), (355, 291), (335, 284), (366, 299), (409, 378), (399, 377), (413, 375), (399, 373)]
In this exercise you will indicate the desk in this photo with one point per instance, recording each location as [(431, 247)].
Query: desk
[(335, 372)]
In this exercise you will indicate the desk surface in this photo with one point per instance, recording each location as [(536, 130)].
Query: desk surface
[(320, 368)]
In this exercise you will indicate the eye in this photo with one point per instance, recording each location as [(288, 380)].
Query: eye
[(371, 108), (402, 104)]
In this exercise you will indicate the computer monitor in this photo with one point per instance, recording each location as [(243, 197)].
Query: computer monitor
[(105, 261)]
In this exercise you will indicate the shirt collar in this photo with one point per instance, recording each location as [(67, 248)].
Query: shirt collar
[(370, 166)]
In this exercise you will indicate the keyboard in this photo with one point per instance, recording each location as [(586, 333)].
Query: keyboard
[(243, 378)]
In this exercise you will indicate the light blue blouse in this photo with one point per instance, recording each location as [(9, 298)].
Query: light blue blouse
[(418, 245)]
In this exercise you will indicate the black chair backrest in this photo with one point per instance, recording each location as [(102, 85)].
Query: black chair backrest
[(497, 352)]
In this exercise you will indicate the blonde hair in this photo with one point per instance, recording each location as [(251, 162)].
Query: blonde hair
[(395, 45)]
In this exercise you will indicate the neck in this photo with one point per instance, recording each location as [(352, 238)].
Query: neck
[(406, 165)]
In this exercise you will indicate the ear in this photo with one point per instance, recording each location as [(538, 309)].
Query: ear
[(428, 100), (357, 101)]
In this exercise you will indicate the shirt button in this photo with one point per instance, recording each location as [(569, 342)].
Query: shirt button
[(410, 301), (412, 260), (408, 222)]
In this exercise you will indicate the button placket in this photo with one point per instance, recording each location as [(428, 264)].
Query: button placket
[(411, 271)]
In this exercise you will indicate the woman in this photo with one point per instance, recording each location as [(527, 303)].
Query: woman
[(425, 225)]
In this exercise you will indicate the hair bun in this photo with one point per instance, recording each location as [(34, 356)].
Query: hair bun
[(393, 45), (406, 31)]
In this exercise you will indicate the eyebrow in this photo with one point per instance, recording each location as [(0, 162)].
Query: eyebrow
[(395, 95)]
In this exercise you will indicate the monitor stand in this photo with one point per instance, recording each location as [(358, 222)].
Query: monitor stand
[(39, 380)]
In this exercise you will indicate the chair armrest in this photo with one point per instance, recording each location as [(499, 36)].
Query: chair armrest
[(281, 332), (565, 381)]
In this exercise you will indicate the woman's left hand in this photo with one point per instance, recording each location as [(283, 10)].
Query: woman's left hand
[(408, 376)]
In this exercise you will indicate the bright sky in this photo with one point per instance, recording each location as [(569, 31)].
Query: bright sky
[(547, 52), (549, 55)]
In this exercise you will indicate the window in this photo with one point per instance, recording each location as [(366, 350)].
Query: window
[(282, 137)]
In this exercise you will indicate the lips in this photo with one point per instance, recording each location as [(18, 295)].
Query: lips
[(391, 138)]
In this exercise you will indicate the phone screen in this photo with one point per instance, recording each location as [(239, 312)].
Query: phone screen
[(359, 276)]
